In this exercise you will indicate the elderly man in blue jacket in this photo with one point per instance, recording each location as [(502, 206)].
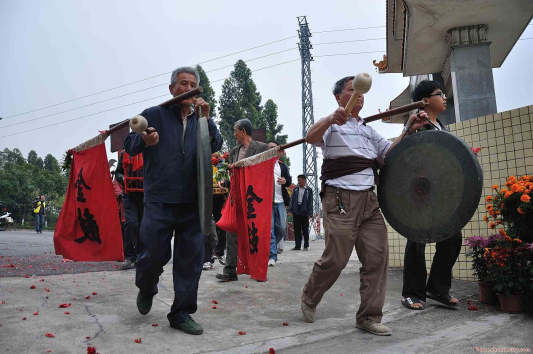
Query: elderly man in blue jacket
[(170, 200)]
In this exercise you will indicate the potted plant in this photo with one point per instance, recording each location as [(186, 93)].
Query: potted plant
[(508, 265), (508, 259), (477, 246)]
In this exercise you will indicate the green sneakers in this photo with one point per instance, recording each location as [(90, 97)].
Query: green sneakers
[(188, 326), (144, 304)]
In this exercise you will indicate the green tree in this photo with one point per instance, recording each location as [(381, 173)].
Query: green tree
[(39, 163), (32, 157), (239, 99), (51, 164), (209, 94), (8, 156), (273, 129), (21, 182)]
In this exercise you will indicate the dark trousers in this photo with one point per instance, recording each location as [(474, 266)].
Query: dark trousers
[(301, 225), (39, 222), (158, 224), (218, 204), (440, 277), (133, 210)]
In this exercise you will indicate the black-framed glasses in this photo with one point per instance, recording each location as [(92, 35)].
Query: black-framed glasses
[(441, 94)]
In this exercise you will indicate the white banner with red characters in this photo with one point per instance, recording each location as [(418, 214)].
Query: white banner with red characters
[(88, 228)]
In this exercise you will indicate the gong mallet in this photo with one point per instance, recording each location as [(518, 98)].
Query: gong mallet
[(361, 84), (139, 124)]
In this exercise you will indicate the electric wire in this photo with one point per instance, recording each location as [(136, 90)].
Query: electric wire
[(166, 73), (111, 109)]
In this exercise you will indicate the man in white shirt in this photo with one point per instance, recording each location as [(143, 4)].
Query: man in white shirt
[(352, 153), (282, 180)]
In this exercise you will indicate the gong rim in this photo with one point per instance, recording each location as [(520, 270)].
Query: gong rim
[(204, 171), (463, 211)]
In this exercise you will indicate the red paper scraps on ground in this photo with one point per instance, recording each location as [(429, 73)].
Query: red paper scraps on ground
[(242, 333), (138, 340), (49, 351), (154, 325), (88, 228), (3, 302), (214, 307), (50, 335), (271, 351), (67, 313), (24, 318), (73, 298), (472, 308), (33, 287), (88, 337), (35, 313), (285, 323), (64, 306), (91, 350), (214, 302), (47, 290), (88, 297), (94, 293)]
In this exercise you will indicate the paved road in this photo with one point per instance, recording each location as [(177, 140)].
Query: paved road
[(102, 313), (24, 252)]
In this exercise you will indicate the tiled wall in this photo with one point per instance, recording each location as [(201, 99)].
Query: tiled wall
[(507, 149)]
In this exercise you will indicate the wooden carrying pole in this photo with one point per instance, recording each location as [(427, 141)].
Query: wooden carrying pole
[(168, 103), (394, 111), (402, 109)]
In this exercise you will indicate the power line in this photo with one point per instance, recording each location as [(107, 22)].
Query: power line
[(166, 73), (348, 29), (525, 39), (111, 109), (339, 54), (356, 40), (145, 79), (131, 93), (85, 116)]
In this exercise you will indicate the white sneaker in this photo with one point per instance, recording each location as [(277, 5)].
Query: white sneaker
[(271, 263), (208, 265)]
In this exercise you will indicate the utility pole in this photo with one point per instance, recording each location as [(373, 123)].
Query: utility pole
[(309, 151)]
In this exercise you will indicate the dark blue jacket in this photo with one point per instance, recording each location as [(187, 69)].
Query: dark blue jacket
[(306, 208), (170, 166)]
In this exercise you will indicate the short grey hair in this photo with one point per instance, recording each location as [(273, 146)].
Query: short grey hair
[(184, 69), (246, 125)]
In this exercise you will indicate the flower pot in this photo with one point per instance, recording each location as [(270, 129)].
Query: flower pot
[(511, 303), (487, 295)]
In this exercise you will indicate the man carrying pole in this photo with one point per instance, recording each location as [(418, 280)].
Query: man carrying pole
[(170, 196), (351, 150)]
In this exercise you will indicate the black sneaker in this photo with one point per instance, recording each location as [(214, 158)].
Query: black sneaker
[(227, 277), (188, 326), (144, 304), (305, 248), (221, 260), (296, 249)]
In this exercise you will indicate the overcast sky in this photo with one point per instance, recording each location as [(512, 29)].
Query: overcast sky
[(56, 51)]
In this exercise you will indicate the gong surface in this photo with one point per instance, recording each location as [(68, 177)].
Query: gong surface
[(430, 186), (204, 170)]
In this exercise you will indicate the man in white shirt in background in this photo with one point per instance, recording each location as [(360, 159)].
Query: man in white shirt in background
[(282, 180)]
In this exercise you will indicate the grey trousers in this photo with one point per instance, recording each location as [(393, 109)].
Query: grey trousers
[(362, 227), (231, 254)]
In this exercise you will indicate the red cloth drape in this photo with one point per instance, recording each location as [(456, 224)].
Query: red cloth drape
[(88, 228)]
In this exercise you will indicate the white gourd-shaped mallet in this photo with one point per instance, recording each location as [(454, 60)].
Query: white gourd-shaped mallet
[(138, 124), (361, 84)]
